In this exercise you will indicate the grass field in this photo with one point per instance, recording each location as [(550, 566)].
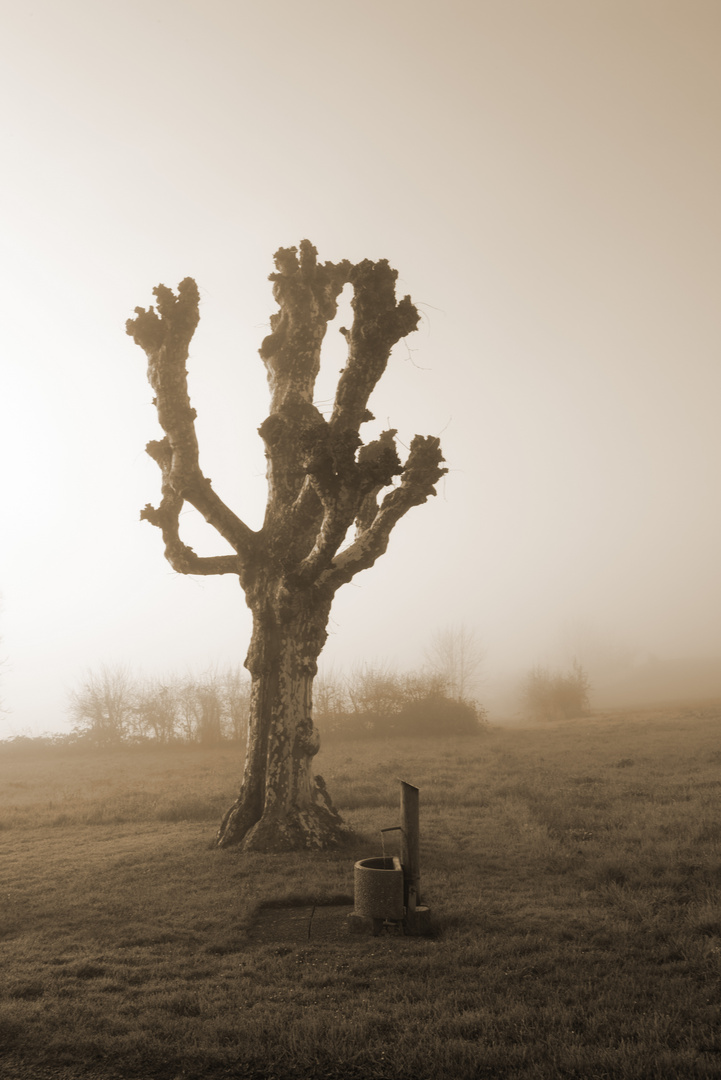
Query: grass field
[(573, 872)]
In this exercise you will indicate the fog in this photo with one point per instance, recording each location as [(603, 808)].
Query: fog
[(544, 177)]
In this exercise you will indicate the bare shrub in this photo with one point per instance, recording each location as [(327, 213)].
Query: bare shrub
[(103, 709), (379, 702), (112, 706), (552, 695)]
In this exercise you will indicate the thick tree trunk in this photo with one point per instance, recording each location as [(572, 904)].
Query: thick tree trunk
[(282, 805)]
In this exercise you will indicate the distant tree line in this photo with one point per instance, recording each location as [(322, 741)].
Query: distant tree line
[(112, 706), (375, 702)]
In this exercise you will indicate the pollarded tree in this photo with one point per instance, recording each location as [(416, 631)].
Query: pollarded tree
[(322, 481)]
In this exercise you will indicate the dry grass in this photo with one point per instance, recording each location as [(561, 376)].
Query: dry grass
[(574, 873)]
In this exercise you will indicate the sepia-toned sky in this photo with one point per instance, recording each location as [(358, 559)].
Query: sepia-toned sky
[(545, 176)]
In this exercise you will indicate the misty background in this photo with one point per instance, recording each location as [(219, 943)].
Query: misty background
[(545, 178)]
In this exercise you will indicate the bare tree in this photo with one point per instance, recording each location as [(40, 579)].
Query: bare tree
[(374, 691), (186, 716), (236, 694), (551, 695), (209, 707), (156, 709), (322, 480), (103, 708), (455, 655)]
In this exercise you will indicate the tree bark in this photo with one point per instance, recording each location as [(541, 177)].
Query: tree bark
[(322, 483), (282, 806)]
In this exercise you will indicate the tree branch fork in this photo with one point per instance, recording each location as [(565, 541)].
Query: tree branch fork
[(322, 479)]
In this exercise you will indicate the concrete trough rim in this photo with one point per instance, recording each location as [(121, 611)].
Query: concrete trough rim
[(395, 864)]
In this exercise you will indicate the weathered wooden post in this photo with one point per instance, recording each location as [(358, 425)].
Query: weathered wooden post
[(410, 844), (417, 917)]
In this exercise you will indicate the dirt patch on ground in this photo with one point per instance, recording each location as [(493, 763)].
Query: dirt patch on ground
[(299, 925)]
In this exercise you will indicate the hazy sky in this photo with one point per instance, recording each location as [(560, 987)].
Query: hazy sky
[(545, 176)]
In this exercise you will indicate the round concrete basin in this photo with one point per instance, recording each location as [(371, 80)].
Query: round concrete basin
[(378, 888)]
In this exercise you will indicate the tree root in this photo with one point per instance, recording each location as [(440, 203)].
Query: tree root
[(317, 826)]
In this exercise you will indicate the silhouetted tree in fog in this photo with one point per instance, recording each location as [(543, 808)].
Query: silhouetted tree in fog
[(548, 695), (322, 481), (236, 693), (155, 710), (455, 655), (103, 709)]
